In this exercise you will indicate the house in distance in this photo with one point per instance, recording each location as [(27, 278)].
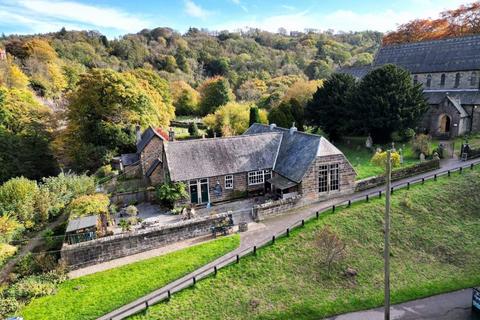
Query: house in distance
[(265, 159)]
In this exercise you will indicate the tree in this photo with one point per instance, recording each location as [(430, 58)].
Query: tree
[(232, 119), (87, 205), (185, 99), (169, 193), (302, 91), (288, 113), (17, 199), (254, 116), (214, 92), (103, 112), (387, 101), (331, 248), (11, 76), (329, 108)]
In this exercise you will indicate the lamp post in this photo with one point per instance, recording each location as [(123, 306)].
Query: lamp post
[(386, 251)]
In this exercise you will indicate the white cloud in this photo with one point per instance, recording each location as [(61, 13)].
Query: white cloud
[(39, 16), (194, 10)]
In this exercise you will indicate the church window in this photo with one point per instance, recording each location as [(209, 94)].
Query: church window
[(442, 79), (429, 80), (457, 80)]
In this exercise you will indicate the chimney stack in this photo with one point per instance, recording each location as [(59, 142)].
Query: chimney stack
[(138, 133), (171, 134), (293, 128)]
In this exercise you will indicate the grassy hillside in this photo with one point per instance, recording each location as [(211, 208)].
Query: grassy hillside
[(94, 295), (435, 241)]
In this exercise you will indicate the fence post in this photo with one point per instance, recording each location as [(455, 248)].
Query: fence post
[(380, 193), (146, 304), (391, 190), (169, 294), (461, 169), (303, 223), (255, 250), (366, 197), (423, 180), (288, 231), (333, 208), (435, 177), (238, 258), (273, 239), (448, 173), (194, 281), (471, 166), (214, 271), (349, 203), (317, 214)]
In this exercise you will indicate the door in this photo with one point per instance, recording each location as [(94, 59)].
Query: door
[(204, 191), (193, 191), (268, 185)]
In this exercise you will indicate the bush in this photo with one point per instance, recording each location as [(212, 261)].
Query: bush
[(103, 171), (9, 227), (380, 159), (88, 205), (6, 251), (331, 248), (31, 287), (27, 266), (422, 144), (8, 306), (17, 197), (169, 193), (403, 136)]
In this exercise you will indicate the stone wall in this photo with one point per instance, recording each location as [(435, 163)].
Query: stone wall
[(276, 208), (127, 198), (151, 151), (104, 249), (431, 120), (309, 184), (465, 80), (398, 175)]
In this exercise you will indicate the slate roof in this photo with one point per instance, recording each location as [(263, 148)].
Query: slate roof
[(152, 167), (148, 134), (297, 150), (465, 97), (82, 223), (129, 158), (200, 158), (446, 55), (357, 72)]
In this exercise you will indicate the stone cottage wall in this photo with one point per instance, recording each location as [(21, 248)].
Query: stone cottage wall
[(309, 184), (431, 120), (276, 208), (104, 249), (151, 151)]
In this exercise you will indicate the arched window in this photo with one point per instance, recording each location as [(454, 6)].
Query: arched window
[(415, 79), (457, 80), (473, 79), (442, 80), (429, 80)]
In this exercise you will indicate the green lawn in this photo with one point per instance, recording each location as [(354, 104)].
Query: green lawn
[(435, 248), (359, 156), (182, 133), (94, 295)]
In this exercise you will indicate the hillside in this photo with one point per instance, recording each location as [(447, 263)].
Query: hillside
[(435, 236)]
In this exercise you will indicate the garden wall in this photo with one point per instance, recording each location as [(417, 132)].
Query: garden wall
[(104, 249), (276, 208), (398, 175), (133, 197)]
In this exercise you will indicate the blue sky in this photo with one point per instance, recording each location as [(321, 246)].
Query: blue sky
[(115, 17)]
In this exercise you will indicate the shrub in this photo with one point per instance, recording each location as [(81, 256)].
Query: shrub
[(131, 210), (17, 197), (6, 251), (9, 227), (31, 287), (103, 171), (169, 193), (331, 248), (380, 159), (193, 129), (8, 306), (27, 266), (124, 224), (422, 144), (88, 205)]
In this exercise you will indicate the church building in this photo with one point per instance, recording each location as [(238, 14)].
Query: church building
[(449, 71)]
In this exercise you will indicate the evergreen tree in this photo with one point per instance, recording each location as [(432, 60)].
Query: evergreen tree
[(329, 108), (254, 115), (287, 113), (214, 92), (388, 101)]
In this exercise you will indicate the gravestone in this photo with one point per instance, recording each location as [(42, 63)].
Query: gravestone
[(422, 157), (369, 142)]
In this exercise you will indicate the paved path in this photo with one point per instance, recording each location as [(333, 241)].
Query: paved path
[(455, 305), (36, 240), (272, 227)]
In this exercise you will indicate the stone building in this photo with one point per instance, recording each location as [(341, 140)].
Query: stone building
[(266, 159), (449, 71)]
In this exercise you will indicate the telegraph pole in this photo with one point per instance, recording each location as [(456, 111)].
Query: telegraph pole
[(386, 251)]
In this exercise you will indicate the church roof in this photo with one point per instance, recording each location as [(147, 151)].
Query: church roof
[(465, 97), (446, 55)]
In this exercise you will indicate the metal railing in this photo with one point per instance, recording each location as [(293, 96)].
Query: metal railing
[(235, 257)]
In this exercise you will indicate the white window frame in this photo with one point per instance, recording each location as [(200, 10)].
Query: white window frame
[(229, 181), (331, 171), (256, 177)]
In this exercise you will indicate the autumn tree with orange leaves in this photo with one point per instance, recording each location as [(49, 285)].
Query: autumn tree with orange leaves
[(465, 20)]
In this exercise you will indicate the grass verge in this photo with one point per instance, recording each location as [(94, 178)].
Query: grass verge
[(435, 240), (94, 295)]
